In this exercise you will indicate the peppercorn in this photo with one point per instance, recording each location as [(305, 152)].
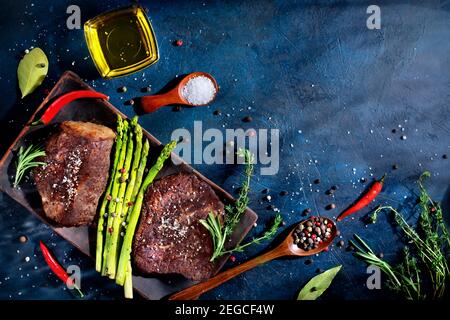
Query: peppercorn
[(247, 119), (178, 43), (146, 89), (270, 207), (444, 156), (23, 239), (265, 191), (363, 180), (122, 89), (217, 112), (395, 167), (317, 181), (334, 188), (331, 206), (129, 102), (232, 258), (176, 108), (108, 197), (308, 261), (306, 211), (329, 192), (340, 243), (283, 193)]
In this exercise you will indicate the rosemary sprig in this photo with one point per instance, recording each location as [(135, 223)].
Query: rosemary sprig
[(220, 233), (26, 160), (427, 250)]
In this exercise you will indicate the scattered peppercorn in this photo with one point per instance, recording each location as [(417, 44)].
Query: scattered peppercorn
[(146, 89), (394, 130), (318, 270), (444, 156), (129, 102), (130, 203), (350, 248), (340, 243), (123, 179), (330, 206), (403, 137), (108, 197), (265, 191), (270, 207), (381, 255), (363, 180), (122, 170), (178, 43), (283, 193), (308, 261), (334, 188), (217, 112), (176, 108), (247, 119), (232, 258), (329, 192), (317, 181), (23, 239), (306, 212), (122, 89), (395, 167)]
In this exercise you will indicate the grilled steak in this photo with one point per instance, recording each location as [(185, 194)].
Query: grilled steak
[(169, 237), (76, 172)]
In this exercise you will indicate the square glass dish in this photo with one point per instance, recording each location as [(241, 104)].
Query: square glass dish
[(121, 41)]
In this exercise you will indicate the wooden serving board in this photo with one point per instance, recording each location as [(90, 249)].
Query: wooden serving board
[(83, 238)]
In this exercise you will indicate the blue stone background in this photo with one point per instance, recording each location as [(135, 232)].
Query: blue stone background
[(311, 69)]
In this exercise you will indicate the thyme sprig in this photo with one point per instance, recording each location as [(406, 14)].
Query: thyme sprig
[(425, 256), (221, 233), (26, 160)]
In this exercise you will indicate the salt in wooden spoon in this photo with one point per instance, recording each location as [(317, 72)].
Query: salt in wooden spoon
[(174, 96), (286, 248)]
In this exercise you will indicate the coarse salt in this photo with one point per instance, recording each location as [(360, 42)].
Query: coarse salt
[(199, 90)]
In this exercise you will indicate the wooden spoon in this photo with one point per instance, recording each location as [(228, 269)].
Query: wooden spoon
[(286, 248), (175, 96)]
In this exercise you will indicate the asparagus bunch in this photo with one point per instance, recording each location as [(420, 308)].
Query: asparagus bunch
[(124, 267), (114, 196), (100, 227), (127, 190)]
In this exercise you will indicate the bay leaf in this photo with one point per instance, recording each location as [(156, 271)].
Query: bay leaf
[(32, 71), (318, 284)]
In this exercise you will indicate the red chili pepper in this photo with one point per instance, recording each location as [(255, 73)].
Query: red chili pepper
[(57, 269), (65, 99), (367, 198)]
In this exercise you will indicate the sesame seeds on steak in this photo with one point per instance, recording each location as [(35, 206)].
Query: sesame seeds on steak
[(169, 238)]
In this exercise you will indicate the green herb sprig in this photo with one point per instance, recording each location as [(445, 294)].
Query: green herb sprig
[(426, 254), (26, 160), (220, 233)]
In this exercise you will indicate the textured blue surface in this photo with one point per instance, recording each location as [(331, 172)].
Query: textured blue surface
[(311, 69)]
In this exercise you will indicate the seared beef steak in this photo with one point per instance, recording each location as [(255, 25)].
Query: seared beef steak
[(170, 238), (76, 172)]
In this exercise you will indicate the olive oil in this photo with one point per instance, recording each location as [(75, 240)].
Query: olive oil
[(121, 41)]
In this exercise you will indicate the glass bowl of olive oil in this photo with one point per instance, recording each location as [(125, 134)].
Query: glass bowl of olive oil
[(121, 41)]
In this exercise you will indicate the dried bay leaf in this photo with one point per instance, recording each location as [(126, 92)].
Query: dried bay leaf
[(318, 284), (32, 71)]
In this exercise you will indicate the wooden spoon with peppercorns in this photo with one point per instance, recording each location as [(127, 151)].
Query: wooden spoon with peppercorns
[(177, 96), (291, 246)]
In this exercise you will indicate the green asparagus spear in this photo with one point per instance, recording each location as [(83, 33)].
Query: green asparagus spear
[(114, 193), (128, 286), (122, 207), (113, 235), (99, 247), (134, 217), (139, 176)]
